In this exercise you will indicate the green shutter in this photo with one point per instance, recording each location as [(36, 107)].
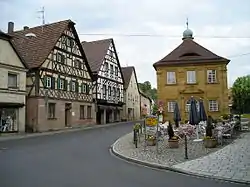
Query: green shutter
[(44, 81), (87, 88), (70, 85), (65, 85), (53, 82), (58, 82), (77, 86)]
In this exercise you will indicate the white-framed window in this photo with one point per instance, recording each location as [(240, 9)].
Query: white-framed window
[(213, 106), (48, 82), (61, 84), (187, 106), (60, 58), (171, 105), (211, 76), (191, 77), (171, 79), (73, 86), (12, 80), (84, 88), (111, 69)]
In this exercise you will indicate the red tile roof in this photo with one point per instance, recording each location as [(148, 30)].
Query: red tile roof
[(35, 50)]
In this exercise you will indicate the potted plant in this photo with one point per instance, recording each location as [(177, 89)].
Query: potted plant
[(173, 141), (209, 140), (151, 140)]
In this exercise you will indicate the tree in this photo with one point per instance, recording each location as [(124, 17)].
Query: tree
[(241, 94)]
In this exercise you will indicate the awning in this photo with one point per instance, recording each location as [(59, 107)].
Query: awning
[(11, 105)]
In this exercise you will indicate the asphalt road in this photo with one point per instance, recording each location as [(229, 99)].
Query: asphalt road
[(82, 159)]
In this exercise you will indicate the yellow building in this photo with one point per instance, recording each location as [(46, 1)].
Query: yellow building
[(192, 70)]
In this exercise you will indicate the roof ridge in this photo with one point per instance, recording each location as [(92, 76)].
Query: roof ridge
[(48, 24), (107, 39)]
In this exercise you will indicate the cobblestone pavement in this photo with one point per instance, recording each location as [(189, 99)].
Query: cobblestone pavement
[(166, 156), (232, 161)]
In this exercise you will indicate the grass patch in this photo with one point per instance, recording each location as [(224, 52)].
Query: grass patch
[(246, 116)]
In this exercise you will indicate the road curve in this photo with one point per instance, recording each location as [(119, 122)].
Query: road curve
[(82, 159)]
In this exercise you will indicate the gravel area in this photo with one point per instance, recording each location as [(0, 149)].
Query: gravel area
[(166, 156)]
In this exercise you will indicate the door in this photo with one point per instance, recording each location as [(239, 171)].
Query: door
[(68, 107)]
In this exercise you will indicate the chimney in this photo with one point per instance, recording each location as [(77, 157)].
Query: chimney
[(10, 27), (25, 27)]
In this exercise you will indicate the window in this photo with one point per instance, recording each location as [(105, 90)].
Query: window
[(118, 92), (114, 93), (111, 69), (70, 42), (84, 88), (171, 79), (191, 77), (12, 80), (77, 63), (73, 86), (171, 105), (51, 110), (213, 106), (82, 112), (60, 58), (48, 82), (104, 88), (106, 66), (187, 106), (61, 84), (211, 76), (116, 71), (89, 108), (109, 91)]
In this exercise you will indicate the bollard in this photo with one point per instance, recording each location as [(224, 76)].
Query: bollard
[(186, 153)]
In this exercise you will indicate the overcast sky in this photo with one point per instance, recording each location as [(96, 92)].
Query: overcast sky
[(164, 19)]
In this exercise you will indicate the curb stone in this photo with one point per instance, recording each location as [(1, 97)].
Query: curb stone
[(158, 166), (66, 130)]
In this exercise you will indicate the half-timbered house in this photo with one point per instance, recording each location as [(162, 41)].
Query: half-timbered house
[(59, 79), (108, 79)]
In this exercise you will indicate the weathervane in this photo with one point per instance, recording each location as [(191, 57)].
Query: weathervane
[(187, 23)]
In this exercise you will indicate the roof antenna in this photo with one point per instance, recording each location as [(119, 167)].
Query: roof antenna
[(42, 12)]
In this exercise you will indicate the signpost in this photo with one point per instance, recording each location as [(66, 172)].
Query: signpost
[(151, 126)]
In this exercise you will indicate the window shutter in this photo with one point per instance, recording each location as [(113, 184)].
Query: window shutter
[(77, 86), (44, 81), (87, 89), (70, 85), (65, 85), (52, 82), (58, 82)]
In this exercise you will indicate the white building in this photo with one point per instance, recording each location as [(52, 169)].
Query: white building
[(12, 87)]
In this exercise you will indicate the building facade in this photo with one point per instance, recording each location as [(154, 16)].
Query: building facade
[(59, 79), (108, 86), (146, 104), (131, 109), (12, 87), (192, 70)]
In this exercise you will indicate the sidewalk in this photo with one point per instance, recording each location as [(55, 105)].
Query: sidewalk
[(231, 163), (6, 137)]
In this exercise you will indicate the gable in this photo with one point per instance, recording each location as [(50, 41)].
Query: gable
[(111, 63), (35, 44), (96, 52), (69, 48), (8, 55)]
